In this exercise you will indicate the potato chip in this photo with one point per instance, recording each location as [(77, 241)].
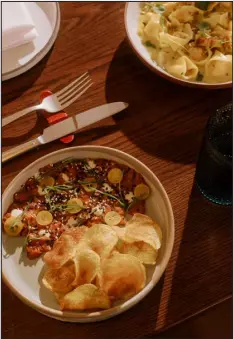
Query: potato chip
[(141, 250), (143, 228), (123, 276), (64, 248), (87, 264), (120, 231), (101, 238), (60, 280), (85, 297)]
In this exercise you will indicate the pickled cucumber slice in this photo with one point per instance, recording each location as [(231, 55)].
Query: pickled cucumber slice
[(71, 205), (112, 218), (13, 226), (115, 175), (141, 192), (47, 181), (41, 191), (44, 218), (93, 184)]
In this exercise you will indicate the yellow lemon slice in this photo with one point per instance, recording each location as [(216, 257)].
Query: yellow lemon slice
[(44, 218), (115, 175), (47, 181), (12, 226), (72, 203), (93, 184), (112, 218), (141, 192)]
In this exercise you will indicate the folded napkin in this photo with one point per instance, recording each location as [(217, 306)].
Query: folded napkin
[(17, 25)]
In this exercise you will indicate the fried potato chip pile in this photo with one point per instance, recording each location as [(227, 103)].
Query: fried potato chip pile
[(91, 268)]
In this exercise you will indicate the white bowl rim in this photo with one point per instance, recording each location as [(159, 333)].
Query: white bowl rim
[(105, 314), (159, 69)]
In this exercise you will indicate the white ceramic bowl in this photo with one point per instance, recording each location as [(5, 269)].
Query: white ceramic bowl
[(132, 12), (23, 276)]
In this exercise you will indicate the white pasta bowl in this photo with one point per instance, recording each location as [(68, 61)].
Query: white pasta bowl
[(132, 12), (23, 276)]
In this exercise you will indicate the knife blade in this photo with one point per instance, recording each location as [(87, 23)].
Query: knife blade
[(68, 126), (81, 120)]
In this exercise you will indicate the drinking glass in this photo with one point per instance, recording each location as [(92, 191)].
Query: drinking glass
[(214, 166)]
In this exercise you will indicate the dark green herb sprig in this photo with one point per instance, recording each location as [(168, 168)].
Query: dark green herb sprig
[(149, 44), (203, 5), (158, 9), (66, 207), (135, 200), (101, 192), (199, 76), (58, 188)]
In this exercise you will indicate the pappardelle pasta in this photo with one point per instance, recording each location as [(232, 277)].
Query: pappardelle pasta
[(190, 40)]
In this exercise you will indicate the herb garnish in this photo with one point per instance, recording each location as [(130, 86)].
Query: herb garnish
[(149, 44), (158, 9), (67, 207), (135, 200), (58, 188), (202, 5), (101, 192), (199, 76), (203, 26)]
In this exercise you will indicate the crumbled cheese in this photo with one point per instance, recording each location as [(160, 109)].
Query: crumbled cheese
[(65, 177), (129, 197), (106, 188), (71, 222), (16, 212), (90, 164), (36, 175), (98, 210), (42, 232)]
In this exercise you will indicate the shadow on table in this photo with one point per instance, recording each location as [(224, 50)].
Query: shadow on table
[(15, 87), (82, 137), (172, 116), (202, 273)]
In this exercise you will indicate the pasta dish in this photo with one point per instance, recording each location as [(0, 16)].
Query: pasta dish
[(190, 40)]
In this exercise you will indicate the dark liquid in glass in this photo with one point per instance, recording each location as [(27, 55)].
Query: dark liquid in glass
[(214, 168)]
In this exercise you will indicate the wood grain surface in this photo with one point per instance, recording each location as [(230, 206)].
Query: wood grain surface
[(163, 127)]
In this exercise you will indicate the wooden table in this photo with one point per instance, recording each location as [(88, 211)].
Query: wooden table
[(163, 127)]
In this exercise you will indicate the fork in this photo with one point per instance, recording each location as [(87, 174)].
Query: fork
[(58, 101)]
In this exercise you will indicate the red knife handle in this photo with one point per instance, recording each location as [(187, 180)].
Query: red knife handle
[(55, 117)]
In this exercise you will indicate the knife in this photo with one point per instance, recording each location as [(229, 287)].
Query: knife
[(67, 126)]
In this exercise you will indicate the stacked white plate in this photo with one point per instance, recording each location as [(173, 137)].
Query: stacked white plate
[(45, 17)]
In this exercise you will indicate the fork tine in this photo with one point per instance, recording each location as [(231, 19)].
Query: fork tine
[(68, 103), (74, 92), (70, 85), (62, 96)]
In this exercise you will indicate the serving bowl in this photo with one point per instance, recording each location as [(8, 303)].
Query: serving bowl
[(23, 276), (131, 17)]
